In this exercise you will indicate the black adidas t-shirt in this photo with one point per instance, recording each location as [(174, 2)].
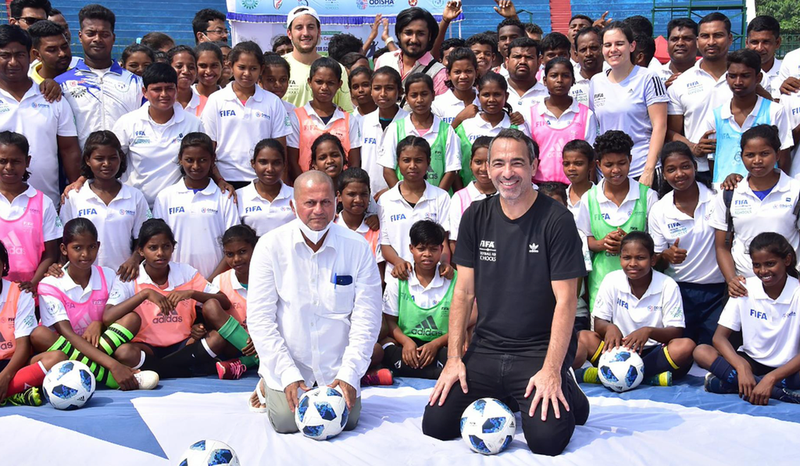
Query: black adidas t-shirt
[(514, 262)]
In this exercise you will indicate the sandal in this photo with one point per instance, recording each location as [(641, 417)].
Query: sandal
[(258, 394)]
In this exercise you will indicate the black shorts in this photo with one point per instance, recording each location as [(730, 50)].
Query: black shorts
[(758, 368), (162, 352)]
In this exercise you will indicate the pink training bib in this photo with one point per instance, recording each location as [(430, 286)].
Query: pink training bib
[(24, 240), (238, 308), (81, 315), (466, 200), (552, 141)]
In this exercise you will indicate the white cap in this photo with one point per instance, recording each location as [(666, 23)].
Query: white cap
[(300, 11)]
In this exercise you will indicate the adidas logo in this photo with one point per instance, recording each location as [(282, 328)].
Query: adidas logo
[(13, 244), (5, 345), (533, 248), (171, 318), (427, 328)]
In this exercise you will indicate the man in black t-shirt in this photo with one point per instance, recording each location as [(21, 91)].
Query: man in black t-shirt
[(519, 255)]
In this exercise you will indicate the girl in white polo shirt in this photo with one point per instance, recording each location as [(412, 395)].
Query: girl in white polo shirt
[(361, 91), (767, 365), (240, 115), (684, 240), (386, 89), (117, 210), (264, 203), (209, 69), (410, 200), (764, 201), (195, 208), (462, 71), (490, 120), (183, 60), (641, 309), (319, 116), (421, 122), (479, 188)]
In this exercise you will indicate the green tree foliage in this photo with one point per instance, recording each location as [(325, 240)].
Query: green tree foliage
[(786, 11)]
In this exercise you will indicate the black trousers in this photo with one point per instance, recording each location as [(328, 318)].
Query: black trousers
[(502, 376)]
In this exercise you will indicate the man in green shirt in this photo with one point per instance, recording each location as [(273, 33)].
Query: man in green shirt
[(302, 27)]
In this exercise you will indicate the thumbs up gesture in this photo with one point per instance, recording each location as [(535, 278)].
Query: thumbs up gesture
[(675, 254)]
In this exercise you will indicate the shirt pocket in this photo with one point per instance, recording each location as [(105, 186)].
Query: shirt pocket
[(344, 298)]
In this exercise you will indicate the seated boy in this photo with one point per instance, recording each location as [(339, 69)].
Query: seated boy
[(417, 310)]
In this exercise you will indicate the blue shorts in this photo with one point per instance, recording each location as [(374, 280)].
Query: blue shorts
[(702, 306)]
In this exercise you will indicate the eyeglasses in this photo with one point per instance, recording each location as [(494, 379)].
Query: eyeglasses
[(217, 31), (29, 20)]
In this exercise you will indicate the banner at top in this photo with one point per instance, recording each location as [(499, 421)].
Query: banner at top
[(330, 11)]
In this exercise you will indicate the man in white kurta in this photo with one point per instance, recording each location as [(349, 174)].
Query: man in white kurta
[(313, 305)]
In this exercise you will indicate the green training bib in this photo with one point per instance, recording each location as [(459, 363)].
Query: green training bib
[(438, 149), (420, 323)]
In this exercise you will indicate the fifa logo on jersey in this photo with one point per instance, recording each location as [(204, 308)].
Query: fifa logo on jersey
[(171, 318), (674, 225), (224, 113), (370, 140), (758, 314), (252, 209), (740, 202), (395, 218), (85, 212), (487, 244), (622, 304), (176, 210)]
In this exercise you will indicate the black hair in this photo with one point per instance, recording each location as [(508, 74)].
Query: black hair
[(647, 45), (512, 22), (99, 12), (270, 143), (16, 6), (532, 28), (10, 138), (242, 233), (405, 17), (349, 59), (639, 25), (202, 18), (222, 44), (159, 73), (624, 28), (642, 238), (523, 42), (133, 48), (76, 227), (589, 30), (360, 70), (178, 49), (247, 46), (325, 62), (687, 23), (414, 141), (208, 47), (280, 41), (95, 140), (4, 258), (392, 73), (765, 23), (54, 12), (766, 132), (327, 137), (580, 146), (157, 40), (583, 17), (273, 59), (342, 44), (777, 245), (41, 29), (483, 142), (418, 78), (160, 57), (716, 16), (12, 33), (553, 188), (461, 53), (483, 39), (613, 142), (492, 77), (680, 148), (554, 41), (200, 140), (746, 57), (153, 227), (353, 175), (426, 233), (559, 61), (453, 42)]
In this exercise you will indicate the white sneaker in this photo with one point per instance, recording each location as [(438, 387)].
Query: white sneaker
[(148, 380)]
